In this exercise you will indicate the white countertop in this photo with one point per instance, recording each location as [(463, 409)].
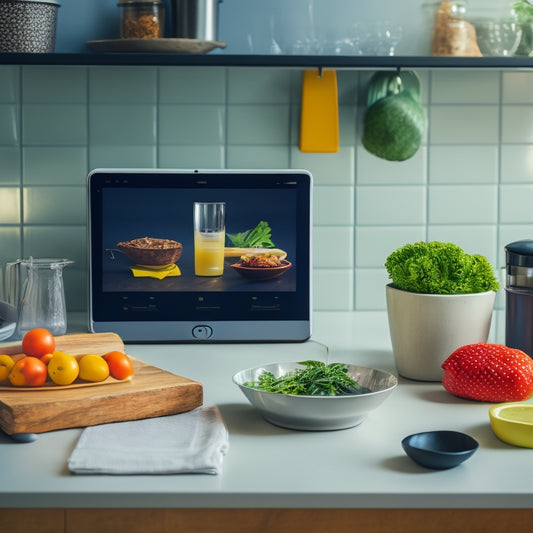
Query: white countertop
[(267, 466)]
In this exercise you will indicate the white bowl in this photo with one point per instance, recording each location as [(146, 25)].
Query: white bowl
[(317, 413)]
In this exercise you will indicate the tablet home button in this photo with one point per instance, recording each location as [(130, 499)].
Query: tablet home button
[(202, 332)]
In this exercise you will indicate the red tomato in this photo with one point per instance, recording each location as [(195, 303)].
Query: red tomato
[(28, 371), (38, 342), (120, 365)]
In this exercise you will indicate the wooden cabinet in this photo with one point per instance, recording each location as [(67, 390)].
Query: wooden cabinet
[(265, 520)]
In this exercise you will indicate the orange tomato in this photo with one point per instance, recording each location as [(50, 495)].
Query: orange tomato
[(120, 365), (29, 372), (38, 342)]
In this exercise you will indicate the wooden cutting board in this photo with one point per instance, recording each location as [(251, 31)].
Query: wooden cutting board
[(151, 392)]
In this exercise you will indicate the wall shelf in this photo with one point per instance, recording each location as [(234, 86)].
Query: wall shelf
[(291, 61)]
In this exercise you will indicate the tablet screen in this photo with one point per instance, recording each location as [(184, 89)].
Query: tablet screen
[(200, 255)]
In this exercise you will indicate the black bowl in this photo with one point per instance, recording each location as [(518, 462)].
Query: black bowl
[(439, 449)]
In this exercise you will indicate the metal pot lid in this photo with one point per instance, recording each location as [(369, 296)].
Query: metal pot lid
[(520, 253)]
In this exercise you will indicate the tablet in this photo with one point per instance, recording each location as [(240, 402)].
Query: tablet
[(200, 255)]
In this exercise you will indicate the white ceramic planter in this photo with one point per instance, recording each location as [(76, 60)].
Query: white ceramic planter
[(426, 328)]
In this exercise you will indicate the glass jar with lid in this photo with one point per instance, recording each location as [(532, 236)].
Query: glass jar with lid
[(452, 34), (141, 19)]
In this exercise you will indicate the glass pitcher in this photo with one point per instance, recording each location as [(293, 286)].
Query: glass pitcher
[(35, 287)]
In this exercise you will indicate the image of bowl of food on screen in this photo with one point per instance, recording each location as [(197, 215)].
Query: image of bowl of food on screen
[(151, 251)]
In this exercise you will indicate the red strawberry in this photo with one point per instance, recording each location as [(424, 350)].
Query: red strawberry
[(489, 373)]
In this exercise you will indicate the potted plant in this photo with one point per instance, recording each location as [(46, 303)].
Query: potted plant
[(440, 298)]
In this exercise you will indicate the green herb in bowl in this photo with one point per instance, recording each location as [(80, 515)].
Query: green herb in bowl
[(316, 379)]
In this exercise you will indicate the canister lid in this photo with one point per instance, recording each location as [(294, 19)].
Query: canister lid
[(520, 253)]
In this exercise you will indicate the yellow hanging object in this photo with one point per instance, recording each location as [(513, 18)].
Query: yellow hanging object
[(143, 271), (319, 123)]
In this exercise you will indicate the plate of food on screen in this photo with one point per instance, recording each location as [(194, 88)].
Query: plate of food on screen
[(259, 267)]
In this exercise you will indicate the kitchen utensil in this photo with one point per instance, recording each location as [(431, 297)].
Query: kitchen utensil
[(513, 423), (151, 392), (317, 413), (196, 19), (439, 450), (39, 294), (319, 121), (519, 296), (28, 26)]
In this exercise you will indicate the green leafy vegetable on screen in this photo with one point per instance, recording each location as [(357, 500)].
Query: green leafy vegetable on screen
[(439, 268), (316, 379), (258, 237)]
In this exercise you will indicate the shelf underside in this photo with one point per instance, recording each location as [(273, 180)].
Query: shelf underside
[(289, 61)]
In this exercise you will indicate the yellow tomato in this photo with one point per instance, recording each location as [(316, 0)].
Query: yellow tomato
[(63, 368), (6, 364), (93, 368)]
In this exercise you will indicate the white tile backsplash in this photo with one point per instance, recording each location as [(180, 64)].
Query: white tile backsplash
[(327, 169), (333, 247), (464, 124), (474, 239), (370, 288), (463, 204), (372, 170), (333, 289), (516, 204), (192, 85), (516, 88), (10, 202), (465, 87), (373, 244), (471, 164), (516, 163), (517, 124), (471, 181), (387, 206), (333, 206)]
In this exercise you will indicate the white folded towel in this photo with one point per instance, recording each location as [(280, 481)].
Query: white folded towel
[(186, 443)]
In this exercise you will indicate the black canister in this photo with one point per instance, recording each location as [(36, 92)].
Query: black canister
[(519, 296)]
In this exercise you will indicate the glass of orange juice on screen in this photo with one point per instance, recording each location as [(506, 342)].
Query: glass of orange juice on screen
[(209, 238)]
